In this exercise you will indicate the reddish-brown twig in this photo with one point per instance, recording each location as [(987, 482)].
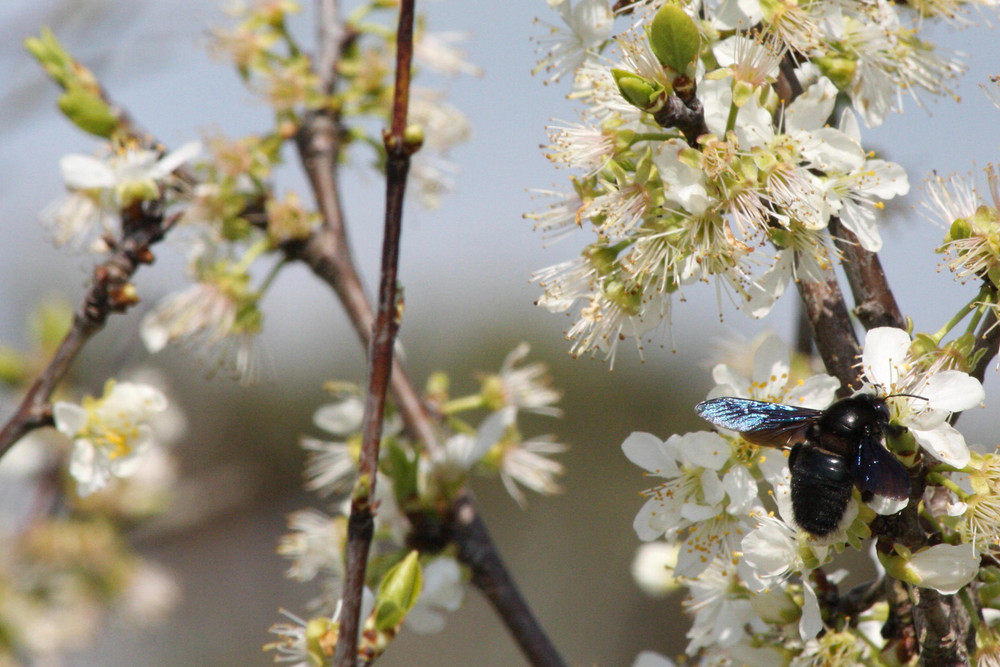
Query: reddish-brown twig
[(360, 526), (108, 293)]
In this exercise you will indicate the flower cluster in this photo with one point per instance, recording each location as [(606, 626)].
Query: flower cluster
[(100, 187), (238, 220), (751, 572), (708, 153), (415, 485), (66, 565), (972, 242)]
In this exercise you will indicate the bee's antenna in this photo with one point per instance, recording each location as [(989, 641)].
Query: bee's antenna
[(922, 398)]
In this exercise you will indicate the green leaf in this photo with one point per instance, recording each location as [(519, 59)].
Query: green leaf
[(674, 38)]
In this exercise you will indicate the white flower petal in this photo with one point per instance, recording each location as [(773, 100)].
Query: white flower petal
[(683, 185), (168, 163), (812, 621), (817, 391), (953, 391), (945, 567), (741, 488), (766, 290), (696, 513), (771, 366), (489, 433), (884, 355), (712, 490), (651, 454), (70, 418), (886, 506), (650, 659), (860, 219), (728, 383), (653, 520), (705, 449), (341, 418), (84, 172), (945, 443), (831, 150), (811, 110)]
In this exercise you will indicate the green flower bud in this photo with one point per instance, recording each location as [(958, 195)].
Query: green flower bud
[(13, 367), (674, 38), (601, 258), (628, 300), (51, 55), (399, 592), (321, 636), (88, 111), (839, 69), (639, 91), (413, 138)]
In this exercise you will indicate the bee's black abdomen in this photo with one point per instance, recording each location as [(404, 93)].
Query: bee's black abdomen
[(821, 489)]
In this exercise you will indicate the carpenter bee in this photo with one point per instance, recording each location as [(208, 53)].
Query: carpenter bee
[(831, 450)]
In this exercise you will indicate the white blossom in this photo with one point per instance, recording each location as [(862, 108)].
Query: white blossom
[(110, 434), (586, 26), (946, 568), (933, 394)]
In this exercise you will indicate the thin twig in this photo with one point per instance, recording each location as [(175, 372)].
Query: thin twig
[(360, 525), (143, 225), (328, 253)]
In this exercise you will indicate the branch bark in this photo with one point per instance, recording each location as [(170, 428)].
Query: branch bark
[(361, 523), (874, 303), (832, 329), (142, 225), (490, 575)]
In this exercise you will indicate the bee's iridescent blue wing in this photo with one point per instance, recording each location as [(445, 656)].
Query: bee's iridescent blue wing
[(876, 469), (760, 422)]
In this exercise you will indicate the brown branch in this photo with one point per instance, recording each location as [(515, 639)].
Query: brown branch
[(945, 632), (874, 303), (920, 620), (142, 226), (987, 342), (687, 115), (489, 574), (832, 329), (327, 253), (330, 40), (360, 525)]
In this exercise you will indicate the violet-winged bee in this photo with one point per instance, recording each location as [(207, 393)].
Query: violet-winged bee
[(832, 450)]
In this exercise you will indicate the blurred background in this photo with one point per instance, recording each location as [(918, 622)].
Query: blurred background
[(466, 270)]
